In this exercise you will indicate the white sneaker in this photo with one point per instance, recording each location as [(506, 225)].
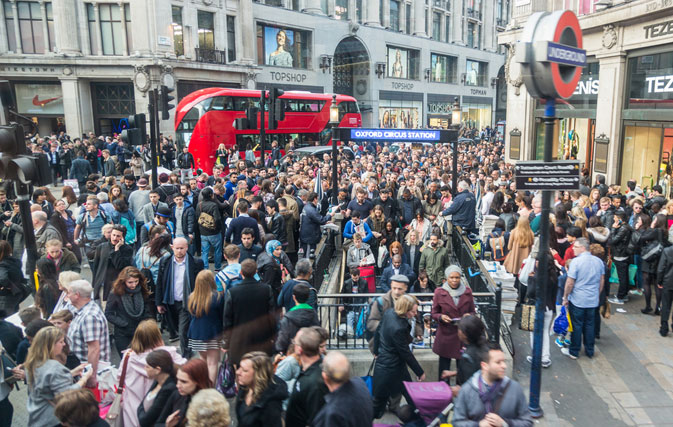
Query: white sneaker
[(545, 363), (566, 352)]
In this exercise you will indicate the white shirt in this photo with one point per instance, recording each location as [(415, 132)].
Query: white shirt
[(178, 278)]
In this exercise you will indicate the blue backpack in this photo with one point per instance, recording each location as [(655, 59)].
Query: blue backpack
[(130, 225)]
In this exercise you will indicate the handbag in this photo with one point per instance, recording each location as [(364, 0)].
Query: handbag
[(113, 416), (368, 379), (226, 378), (651, 251), (526, 269), (527, 317)]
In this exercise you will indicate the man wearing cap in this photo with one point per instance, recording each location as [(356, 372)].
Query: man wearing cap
[(162, 217)]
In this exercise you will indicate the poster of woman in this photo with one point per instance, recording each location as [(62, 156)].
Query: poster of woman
[(277, 46), (397, 63)]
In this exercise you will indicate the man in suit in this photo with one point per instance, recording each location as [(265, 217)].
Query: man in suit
[(243, 220), (175, 282), (110, 259), (396, 267), (109, 168)]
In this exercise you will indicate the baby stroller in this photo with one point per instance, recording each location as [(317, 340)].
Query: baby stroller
[(433, 400)]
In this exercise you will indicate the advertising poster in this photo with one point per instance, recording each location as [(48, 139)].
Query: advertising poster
[(278, 47), (400, 117), (397, 63), (39, 98), (472, 73)]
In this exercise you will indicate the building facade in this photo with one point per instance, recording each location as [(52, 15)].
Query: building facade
[(86, 65), (619, 121)]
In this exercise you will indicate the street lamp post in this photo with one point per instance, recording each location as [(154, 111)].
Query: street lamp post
[(334, 124), (455, 124)]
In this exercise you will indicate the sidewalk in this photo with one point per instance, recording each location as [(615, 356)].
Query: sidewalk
[(629, 381)]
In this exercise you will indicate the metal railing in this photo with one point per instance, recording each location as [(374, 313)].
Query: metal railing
[(474, 14), (323, 256), (345, 317), (211, 56)]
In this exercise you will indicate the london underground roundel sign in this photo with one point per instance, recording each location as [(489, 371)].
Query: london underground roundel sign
[(551, 55)]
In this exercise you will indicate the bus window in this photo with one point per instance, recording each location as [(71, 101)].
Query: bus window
[(243, 140), (242, 103), (218, 103), (305, 105), (346, 107)]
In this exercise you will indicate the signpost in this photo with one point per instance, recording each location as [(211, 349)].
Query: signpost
[(551, 58), (555, 176)]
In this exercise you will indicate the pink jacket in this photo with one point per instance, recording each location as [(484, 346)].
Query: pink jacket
[(137, 384)]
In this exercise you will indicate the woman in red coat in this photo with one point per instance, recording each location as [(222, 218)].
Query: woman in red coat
[(450, 303)]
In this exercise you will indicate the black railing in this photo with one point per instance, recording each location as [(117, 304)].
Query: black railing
[(323, 256), (211, 56)]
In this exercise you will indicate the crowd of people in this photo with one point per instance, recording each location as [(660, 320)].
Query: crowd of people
[(221, 262)]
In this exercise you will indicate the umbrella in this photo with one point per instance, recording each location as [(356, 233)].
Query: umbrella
[(318, 186)]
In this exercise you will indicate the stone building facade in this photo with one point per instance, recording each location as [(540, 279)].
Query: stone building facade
[(85, 65)]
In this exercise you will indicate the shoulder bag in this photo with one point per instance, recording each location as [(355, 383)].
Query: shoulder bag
[(114, 416)]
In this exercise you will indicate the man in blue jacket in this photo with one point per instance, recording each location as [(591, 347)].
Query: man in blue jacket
[(352, 228), (80, 170), (463, 208), (243, 220), (396, 267), (311, 220)]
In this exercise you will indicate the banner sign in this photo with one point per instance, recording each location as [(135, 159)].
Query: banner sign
[(394, 134)]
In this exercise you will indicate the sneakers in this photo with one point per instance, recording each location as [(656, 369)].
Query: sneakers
[(636, 291), (560, 342), (566, 352), (617, 301), (545, 363)]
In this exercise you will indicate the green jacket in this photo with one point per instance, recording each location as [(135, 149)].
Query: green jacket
[(434, 262)]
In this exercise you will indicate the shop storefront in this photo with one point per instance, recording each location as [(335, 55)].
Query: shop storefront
[(43, 103), (113, 103), (648, 121), (476, 112), (574, 130), (439, 110), (400, 110)]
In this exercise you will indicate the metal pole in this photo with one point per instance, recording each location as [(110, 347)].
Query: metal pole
[(454, 172), (154, 136), (262, 131), (335, 178), (541, 275)]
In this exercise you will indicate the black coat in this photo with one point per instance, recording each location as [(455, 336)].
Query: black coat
[(249, 322), (149, 418), (277, 227), (311, 220), (348, 406), (175, 402), (665, 268), (294, 320), (188, 220), (307, 397), (266, 411), (648, 236), (391, 344), (109, 263), (125, 324), (164, 292), (417, 259), (80, 170), (619, 240)]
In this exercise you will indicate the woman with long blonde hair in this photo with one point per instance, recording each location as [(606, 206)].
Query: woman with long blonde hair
[(520, 243), (47, 376), (206, 306), (261, 393)]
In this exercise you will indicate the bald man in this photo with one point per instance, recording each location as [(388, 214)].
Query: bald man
[(348, 402), (175, 282)]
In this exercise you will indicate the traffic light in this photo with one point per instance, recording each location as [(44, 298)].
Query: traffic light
[(249, 121), (19, 164), (136, 133), (164, 102), (276, 108)]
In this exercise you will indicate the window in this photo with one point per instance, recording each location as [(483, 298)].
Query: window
[(398, 114), (283, 47), (111, 29), (9, 25), (129, 29), (304, 105), (443, 68), (436, 26), (278, 3), (473, 35), (358, 9), (91, 18), (447, 28), (476, 73), (206, 22), (50, 27), (30, 27), (407, 17), (341, 9), (394, 15), (231, 38), (403, 63), (178, 40)]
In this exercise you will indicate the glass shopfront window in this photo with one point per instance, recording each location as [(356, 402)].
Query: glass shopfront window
[(476, 116), (403, 63), (443, 68), (476, 73), (650, 82), (646, 153), (573, 139), (400, 114)]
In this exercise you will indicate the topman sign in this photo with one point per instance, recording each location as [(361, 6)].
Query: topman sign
[(551, 54)]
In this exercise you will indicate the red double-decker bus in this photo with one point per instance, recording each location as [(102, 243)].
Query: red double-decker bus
[(205, 119)]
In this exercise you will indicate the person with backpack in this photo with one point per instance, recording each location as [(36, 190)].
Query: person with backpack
[(300, 316), (148, 256), (497, 241), (90, 225), (122, 215), (230, 275), (209, 219), (162, 217)]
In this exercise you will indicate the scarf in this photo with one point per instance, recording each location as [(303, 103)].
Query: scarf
[(270, 247), (455, 293), (133, 302), (488, 394)]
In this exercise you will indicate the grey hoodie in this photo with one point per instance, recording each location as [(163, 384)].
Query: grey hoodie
[(513, 409)]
